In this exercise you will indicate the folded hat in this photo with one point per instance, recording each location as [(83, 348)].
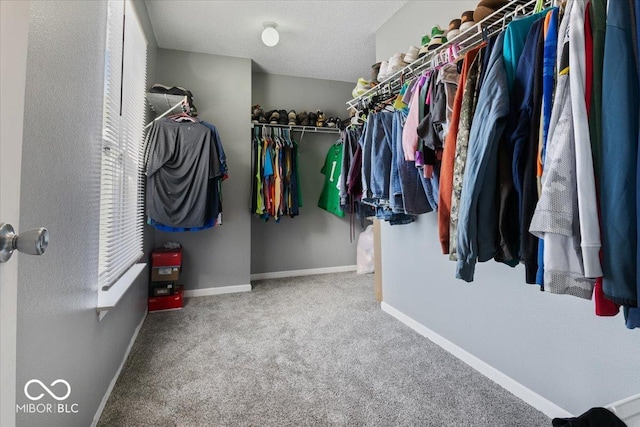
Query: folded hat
[(487, 7), (425, 40), (412, 54), (455, 24)]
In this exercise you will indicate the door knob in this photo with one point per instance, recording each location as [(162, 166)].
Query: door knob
[(32, 242)]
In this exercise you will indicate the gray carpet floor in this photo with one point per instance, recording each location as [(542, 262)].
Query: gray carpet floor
[(306, 351)]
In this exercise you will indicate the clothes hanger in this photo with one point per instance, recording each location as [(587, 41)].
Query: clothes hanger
[(182, 117), (287, 137), (539, 6)]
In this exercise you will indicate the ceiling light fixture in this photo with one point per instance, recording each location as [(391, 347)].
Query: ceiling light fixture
[(270, 35)]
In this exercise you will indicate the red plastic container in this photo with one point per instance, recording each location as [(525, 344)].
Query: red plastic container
[(169, 302), (166, 258)]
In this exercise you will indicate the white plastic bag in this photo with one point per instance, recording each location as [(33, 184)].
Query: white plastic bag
[(365, 257)]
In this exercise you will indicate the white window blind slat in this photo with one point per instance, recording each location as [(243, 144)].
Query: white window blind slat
[(122, 184)]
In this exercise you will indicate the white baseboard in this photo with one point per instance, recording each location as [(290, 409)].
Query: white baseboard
[(105, 398), (628, 410), (216, 291), (542, 404), (307, 272)]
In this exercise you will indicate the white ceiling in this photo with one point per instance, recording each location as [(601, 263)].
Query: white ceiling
[(323, 39)]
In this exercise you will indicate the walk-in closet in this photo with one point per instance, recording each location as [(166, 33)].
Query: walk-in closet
[(320, 213)]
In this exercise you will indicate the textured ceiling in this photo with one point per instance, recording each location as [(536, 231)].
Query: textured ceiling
[(325, 39)]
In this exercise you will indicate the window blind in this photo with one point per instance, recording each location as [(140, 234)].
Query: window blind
[(122, 183)]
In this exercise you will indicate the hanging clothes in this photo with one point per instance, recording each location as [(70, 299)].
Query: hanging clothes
[(620, 172), (477, 221), (467, 109), (275, 189), (332, 170), (536, 140), (448, 156), (184, 168)]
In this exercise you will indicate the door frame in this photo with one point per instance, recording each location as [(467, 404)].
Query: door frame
[(14, 34)]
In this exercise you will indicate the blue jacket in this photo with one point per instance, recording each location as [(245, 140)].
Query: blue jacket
[(618, 193), (522, 140), (477, 217)]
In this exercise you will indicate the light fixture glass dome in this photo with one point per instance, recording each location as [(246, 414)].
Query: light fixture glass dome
[(270, 36)]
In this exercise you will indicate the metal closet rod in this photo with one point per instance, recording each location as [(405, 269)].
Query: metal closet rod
[(465, 41), (298, 128)]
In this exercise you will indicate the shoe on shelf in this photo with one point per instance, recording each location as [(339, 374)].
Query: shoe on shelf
[(256, 112), (312, 118), (320, 120), (284, 117), (292, 118), (331, 122), (303, 119)]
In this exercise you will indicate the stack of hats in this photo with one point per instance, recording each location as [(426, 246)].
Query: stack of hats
[(383, 73), (487, 7), (375, 71), (454, 28), (424, 45), (431, 41), (437, 38), (396, 63), (466, 21), (412, 54)]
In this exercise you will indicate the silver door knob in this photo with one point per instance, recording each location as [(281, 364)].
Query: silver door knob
[(32, 242)]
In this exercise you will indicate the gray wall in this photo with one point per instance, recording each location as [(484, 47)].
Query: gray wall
[(59, 335), (316, 238), (415, 19), (221, 87), (552, 344)]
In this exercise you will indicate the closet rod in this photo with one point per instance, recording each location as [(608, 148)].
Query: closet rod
[(298, 128), (184, 100), (465, 41)]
